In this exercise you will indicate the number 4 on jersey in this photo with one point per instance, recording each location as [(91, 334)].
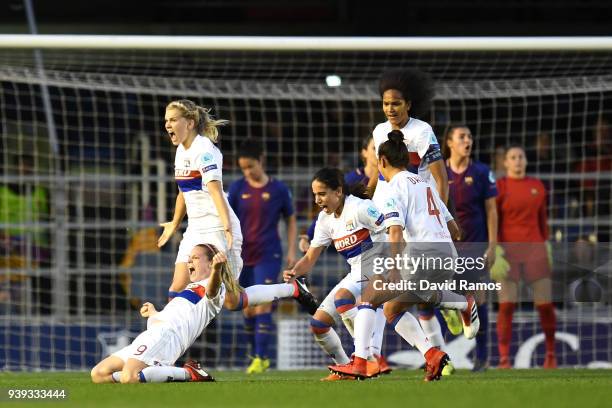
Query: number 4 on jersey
[(431, 206)]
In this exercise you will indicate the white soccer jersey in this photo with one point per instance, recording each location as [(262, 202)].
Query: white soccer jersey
[(193, 169), (360, 224), (420, 210), (419, 137), (190, 312)]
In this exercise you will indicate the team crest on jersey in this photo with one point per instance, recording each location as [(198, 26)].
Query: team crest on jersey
[(245, 196), (186, 163), (534, 191), (349, 225), (469, 180), (265, 196), (390, 203)]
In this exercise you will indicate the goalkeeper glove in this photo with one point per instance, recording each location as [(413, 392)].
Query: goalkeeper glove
[(499, 270)]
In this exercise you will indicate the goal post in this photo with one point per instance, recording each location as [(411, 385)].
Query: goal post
[(110, 155)]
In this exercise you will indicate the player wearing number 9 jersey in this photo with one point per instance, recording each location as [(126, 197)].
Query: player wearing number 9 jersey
[(171, 331)]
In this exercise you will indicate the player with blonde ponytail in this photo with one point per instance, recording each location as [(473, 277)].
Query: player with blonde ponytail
[(198, 172)]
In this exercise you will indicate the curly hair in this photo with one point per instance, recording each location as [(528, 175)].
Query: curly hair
[(414, 85)]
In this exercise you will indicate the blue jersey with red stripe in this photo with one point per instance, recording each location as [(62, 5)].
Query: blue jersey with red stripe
[(259, 211), (469, 191)]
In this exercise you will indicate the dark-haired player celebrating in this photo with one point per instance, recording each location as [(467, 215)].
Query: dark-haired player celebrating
[(406, 96), (260, 201)]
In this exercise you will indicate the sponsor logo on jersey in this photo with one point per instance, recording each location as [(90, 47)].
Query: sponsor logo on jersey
[(244, 196), (209, 168), (345, 244), (469, 180), (186, 174)]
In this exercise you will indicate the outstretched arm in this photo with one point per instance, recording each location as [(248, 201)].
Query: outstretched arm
[(304, 265)]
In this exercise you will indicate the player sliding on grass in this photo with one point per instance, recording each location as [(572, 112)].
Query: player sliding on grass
[(352, 224), (197, 170), (151, 356), (415, 214)]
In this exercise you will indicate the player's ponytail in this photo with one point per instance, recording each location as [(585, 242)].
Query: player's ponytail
[(208, 125), (227, 277), (334, 179), (394, 150), (205, 123)]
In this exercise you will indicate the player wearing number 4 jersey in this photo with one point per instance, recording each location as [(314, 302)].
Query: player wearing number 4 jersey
[(151, 356), (406, 96), (415, 214)]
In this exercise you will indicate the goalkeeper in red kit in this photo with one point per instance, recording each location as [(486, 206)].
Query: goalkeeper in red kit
[(523, 231)]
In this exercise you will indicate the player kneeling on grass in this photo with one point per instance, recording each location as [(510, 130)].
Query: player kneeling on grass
[(151, 356)]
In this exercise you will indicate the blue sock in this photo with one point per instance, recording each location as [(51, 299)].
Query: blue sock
[(249, 332), (263, 331), (482, 338)]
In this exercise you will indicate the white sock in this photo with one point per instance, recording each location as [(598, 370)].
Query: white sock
[(408, 327), (452, 300), (160, 374), (433, 331), (379, 331), (348, 318), (364, 328), (116, 376), (331, 344), (260, 294)]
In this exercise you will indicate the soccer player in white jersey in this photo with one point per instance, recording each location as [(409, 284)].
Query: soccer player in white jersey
[(415, 214), (197, 170), (151, 356), (406, 96), (352, 223)]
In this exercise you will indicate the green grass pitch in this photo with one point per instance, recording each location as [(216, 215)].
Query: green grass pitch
[(402, 388)]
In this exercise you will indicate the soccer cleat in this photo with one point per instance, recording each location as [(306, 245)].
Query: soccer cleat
[(258, 365), (304, 297), (480, 366), (504, 363), (383, 365), (436, 360), (337, 377), (372, 368), (356, 368), (550, 362), (469, 318), (453, 321), (196, 372), (449, 369)]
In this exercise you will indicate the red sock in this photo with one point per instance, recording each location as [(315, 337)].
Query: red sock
[(504, 328), (549, 324)]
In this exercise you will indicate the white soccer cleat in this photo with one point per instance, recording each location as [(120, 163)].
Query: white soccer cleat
[(469, 317)]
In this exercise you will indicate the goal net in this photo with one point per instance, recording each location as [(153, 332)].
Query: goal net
[(86, 178)]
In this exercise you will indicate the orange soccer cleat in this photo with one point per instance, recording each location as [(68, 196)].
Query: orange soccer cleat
[(383, 365), (337, 377), (357, 367), (196, 372), (436, 360)]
